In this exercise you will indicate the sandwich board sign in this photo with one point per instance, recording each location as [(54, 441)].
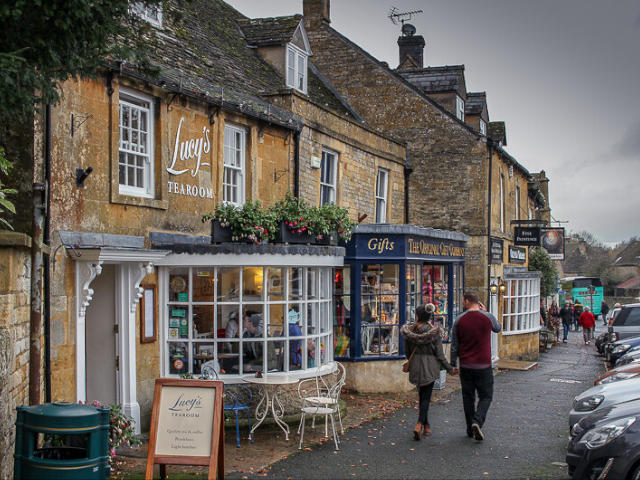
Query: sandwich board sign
[(187, 426)]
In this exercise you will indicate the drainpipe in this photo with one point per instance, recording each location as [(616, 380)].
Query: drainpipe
[(407, 172), (35, 322), (46, 234), (490, 145), (296, 163)]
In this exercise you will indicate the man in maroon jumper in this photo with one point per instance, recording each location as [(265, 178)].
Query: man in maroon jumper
[(471, 347)]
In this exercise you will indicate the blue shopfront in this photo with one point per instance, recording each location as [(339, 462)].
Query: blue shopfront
[(388, 271)]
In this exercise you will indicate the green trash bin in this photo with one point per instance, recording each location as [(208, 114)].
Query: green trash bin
[(62, 441)]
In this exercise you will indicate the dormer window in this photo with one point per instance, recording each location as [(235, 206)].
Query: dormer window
[(150, 13), (483, 127), (296, 68), (460, 108)]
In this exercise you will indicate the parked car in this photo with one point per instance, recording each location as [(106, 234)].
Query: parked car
[(620, 347), (627, 358), (611, 315), (606, 443), (602, 396), (627, 322), (616, 374)]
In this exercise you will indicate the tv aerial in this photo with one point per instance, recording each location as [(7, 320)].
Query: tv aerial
[(396, 16)]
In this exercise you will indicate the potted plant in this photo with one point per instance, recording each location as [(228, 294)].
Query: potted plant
[(294, 222), (249, 223), (321, 228), (338, 220)]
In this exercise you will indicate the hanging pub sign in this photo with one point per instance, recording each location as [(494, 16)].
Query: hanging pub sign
[(517, 255), (529, 236), (552, 239), (496, 249)]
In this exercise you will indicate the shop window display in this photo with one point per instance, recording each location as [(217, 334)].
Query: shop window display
[(379, 309), (248, 319), (342, 312)]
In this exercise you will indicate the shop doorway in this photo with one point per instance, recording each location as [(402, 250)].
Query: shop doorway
[(101, 339), (493, 308)]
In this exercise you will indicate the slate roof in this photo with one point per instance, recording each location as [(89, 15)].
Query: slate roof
[(205, 55), (269, 31), (449, 78), (630, 256), (632, 283), (475, 104)]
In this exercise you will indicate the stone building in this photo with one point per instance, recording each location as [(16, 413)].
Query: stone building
[(133, 161), (462, 177)]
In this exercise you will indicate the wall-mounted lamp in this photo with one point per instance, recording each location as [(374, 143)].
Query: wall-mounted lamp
[(493, 288), (502, 288), (81, 175)]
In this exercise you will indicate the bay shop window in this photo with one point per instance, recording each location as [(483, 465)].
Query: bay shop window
[(521, 305), (247, 318)]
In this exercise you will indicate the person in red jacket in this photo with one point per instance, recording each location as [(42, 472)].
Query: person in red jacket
[(588, 322)]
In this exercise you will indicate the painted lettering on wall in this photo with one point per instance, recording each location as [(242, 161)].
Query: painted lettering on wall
[(381, 245), (190, 149), (420, 247), (190, 190)]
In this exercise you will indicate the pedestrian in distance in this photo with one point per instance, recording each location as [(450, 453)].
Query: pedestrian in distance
[(423, 344), (566, 314), (588, 322), (554, 319), (604, 309), (577, 311), (471, 350)]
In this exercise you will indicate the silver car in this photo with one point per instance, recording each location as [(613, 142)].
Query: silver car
[(626, 323), (603, 396)]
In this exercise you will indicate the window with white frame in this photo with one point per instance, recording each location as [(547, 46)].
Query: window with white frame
[(381, 195), (234, 155), (502, 203), (296, 68), (328, 176), (150, 13), (517, 215), (483, 127), (247, 319), (460, 108), (521, 306), (136, 146)]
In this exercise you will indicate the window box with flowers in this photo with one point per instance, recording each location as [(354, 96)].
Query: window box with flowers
[(250, 223)]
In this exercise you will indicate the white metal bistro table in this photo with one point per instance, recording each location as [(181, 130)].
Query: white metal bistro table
[(270, 383)]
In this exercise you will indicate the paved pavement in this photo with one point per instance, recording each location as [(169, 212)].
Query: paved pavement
[(525, 433)]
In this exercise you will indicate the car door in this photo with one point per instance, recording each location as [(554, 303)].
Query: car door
[(627, 323)]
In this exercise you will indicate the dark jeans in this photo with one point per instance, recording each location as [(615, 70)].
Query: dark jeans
[(565, 326), (472, 381), (424, 394)]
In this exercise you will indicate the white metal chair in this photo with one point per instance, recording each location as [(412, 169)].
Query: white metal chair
[(320, 396)]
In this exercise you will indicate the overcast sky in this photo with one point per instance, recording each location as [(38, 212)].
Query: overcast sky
[(562, 74)]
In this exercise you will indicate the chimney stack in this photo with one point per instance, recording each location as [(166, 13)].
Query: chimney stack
[(411, 45), (316, 10)]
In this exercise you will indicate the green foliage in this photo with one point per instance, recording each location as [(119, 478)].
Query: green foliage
[(251, 221), (338, 219), (294, 212), (539, 261), (6, 206)]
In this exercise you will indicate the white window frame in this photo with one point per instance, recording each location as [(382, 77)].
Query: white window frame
[(521, 306), (328, 184), (382, 189), (483, 127), (149, 13), (459, 108), (144, 104), (501, 203), (296, 74), (230, 167)]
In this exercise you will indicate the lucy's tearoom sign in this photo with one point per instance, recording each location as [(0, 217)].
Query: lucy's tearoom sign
[(186, 426), (189, 155)]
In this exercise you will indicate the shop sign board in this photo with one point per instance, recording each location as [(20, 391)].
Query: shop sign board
[(187, 426), (189, 155), (517, 254), (528, 236), (496, 250), (405, 246), (552, 239)]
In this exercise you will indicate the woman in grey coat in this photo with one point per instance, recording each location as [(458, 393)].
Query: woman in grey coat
[(423, 347)]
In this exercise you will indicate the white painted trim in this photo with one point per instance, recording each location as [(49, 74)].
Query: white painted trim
[(249, 260), (521, 332)]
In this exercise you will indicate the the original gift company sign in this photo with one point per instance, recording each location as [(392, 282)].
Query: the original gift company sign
[(189, 155)]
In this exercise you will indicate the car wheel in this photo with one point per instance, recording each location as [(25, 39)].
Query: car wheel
[(636, 473)]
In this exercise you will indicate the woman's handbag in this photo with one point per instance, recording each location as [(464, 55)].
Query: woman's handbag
[(405, 365)]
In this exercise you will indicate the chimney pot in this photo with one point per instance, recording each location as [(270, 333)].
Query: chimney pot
[(317, 10), (412, 46)]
